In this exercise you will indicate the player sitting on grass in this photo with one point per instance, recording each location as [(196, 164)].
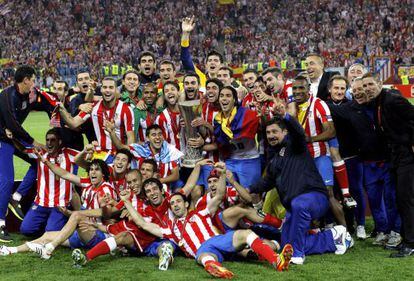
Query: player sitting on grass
[(127, 233), (194, 233), (93, 188)]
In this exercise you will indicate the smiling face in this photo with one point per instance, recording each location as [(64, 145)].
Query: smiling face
[(121, 163), (300, 91), (134, 182), (191, 87), (337, 90), (226, 101), (108, 90), (147, 171), (213, 64), (273, 84), (358, 92), (147, 65), (153, 194), (212, 92), (178, 206), (259, 89), (314, 67), (212, 185), (155, 139), (95, 175), (248, 80), (167, 72), (372, 87), (275, 134), (171, 94), (224, 76), (53, 143), (131, 82), (149, 94)]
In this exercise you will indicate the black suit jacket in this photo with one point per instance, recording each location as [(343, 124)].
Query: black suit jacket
[(323, 92)]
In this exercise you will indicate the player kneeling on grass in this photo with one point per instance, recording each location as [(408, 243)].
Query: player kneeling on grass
[(301, 189), (94, 187), (193, 232)]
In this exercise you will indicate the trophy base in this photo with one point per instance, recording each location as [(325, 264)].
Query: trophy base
[(190, 163)]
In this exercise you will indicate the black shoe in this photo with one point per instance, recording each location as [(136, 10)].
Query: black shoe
[(404, 251), (4, 235), (16, 208)]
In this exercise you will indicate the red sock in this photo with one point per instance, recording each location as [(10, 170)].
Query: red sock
[(271, 220), (102, 248), (342, 177), (264, 251)]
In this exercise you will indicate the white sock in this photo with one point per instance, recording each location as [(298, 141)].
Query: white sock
[(17, 196), (206, 259), (250, 238), (49, 247), (111, 243), (2, 223), (13, 250)]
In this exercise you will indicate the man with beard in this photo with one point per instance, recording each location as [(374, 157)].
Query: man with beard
[(301, 189), (16, 102), (213, 61), (394, 116), (169, 118), (147, 65), (191, 82), (109, 109), (52, 191)]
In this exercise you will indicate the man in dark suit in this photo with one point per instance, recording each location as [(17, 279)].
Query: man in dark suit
[(318, 77), (394, 116)]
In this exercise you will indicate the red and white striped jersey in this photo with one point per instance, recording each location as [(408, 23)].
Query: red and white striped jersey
[(191, 231), (142, 128), (248, 99), (53, 191), (312, 117), (170, 123), (121, 114), (118, 183), (90, 194), (209, 112), (286, 94)]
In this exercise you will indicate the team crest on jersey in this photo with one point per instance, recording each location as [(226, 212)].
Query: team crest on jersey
[(24, 105), (282, 151)]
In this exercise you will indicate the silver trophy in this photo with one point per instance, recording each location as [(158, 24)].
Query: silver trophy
[(190, 110)]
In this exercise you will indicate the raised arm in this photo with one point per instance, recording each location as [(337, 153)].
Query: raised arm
[(152, 228), (215, 202), (187, 26), (192, 179), (72, 122), (243, 193)]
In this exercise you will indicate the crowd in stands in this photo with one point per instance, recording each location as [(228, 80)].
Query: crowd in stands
[(65, 36)]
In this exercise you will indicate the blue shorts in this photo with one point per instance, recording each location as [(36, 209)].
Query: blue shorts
[(76, 242), (333, 143), (204, 173), (324, 165), (225, 226), (220, 245), (40, 219), (151, 250), (246, 171)]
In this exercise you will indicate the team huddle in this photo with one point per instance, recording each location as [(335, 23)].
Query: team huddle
[(281, 164)]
